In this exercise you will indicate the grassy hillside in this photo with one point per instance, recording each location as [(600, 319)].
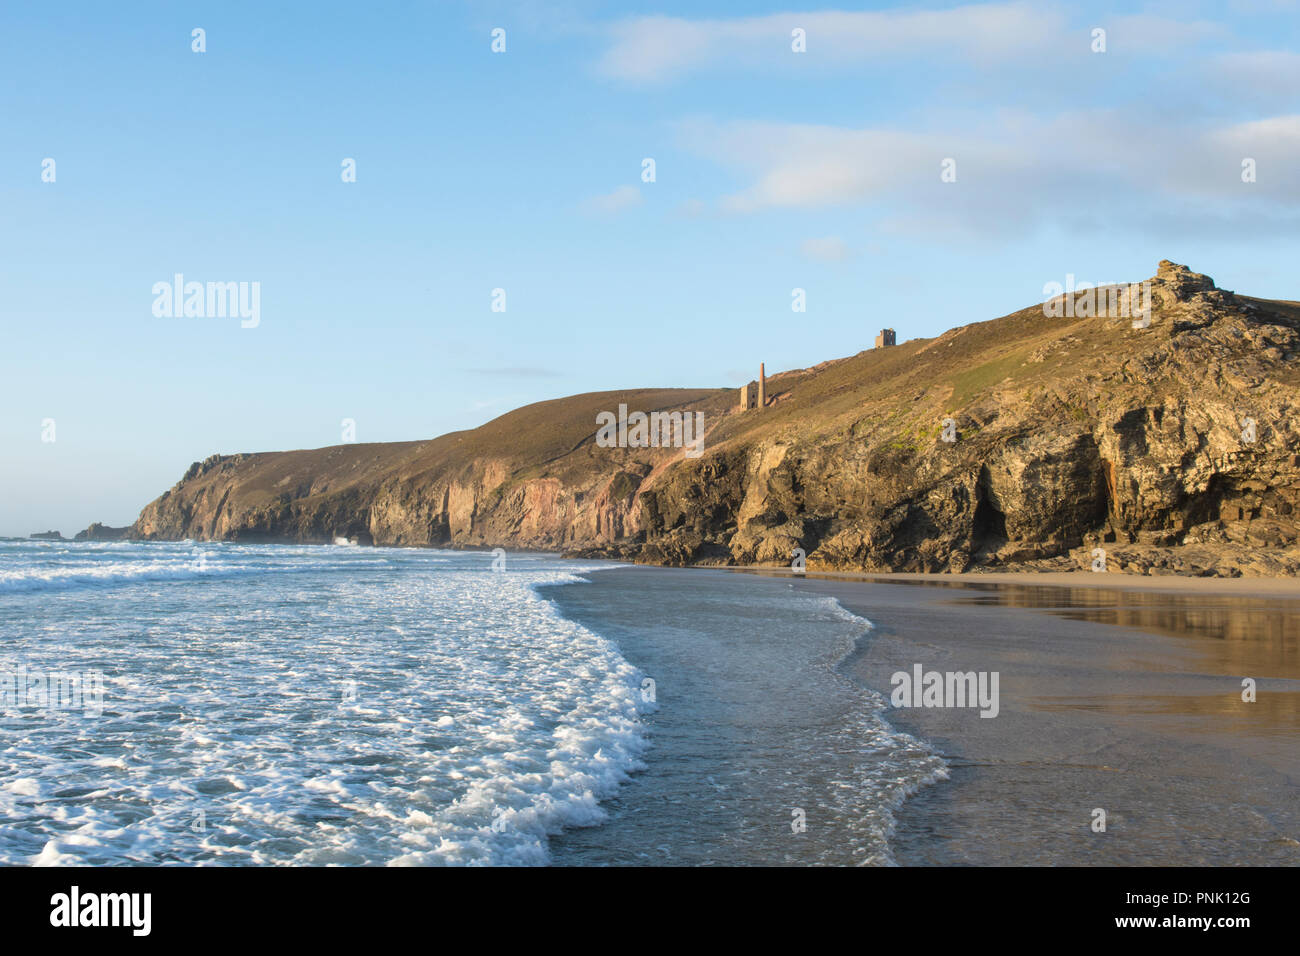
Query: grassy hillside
[(1070, 432)]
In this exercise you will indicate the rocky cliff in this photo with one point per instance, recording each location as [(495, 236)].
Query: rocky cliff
[(102, 532), (1031, 441)]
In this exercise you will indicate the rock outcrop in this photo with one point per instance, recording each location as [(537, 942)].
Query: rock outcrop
[(1027, 441), (102, 532)]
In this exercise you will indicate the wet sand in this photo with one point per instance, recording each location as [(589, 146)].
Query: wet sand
[(1124, 697), (1111, 580)]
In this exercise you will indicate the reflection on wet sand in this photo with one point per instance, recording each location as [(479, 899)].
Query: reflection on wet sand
[(1127, 698), (1272, 620), (1239, 637)]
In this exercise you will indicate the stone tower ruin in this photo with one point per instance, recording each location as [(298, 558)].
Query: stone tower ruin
[(751, 397)]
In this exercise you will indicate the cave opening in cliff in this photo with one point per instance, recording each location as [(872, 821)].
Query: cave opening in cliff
[(990, 524)]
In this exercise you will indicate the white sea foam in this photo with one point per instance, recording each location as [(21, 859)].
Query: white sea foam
[(904, 763), (306, 705)]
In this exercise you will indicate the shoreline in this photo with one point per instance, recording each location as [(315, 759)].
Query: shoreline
[(1125, 699), (757, 730), (1106, 580), (1278, 586), (1130, 709)]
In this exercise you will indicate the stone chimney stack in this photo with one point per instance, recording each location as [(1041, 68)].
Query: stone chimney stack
[(762, 386)]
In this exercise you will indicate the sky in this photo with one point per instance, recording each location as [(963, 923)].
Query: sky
[(793, 149)]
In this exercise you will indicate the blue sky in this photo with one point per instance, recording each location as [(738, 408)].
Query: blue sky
[(521, 170)]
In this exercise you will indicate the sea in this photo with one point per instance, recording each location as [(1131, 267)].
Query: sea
[(202, 703)]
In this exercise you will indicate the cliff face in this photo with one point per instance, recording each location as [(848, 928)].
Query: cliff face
[(1171, 447)]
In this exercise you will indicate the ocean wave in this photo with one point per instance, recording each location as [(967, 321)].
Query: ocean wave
[(301, 712), (102, 565), (110, 576), (507, 817)]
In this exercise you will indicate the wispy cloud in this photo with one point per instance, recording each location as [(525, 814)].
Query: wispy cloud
[(1013, 170), (692, 208), (828, 249), (1017, 37), (609, 204), (1256, 76), (1142, 34), (517, 371), (656, 48)]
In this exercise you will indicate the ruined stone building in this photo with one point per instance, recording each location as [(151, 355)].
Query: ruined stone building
[(751, 398), (886, 337)]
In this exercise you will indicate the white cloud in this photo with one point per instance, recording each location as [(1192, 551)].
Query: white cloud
[(653, 48), (622, 198), (1256, 75), (1013, 171), (692, 208), (804, 165), (1170, 153), (828, 249), (1015, 36), (1142, 34), (649, 48), (656, 48)]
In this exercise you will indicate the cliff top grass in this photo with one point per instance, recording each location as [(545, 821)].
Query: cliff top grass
[(896, 394)]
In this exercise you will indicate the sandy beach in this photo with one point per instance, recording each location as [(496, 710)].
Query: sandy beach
[(1112, 580), (1117, 692), (1126, 699)]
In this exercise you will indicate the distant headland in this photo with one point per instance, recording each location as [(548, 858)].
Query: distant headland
[(1042, 440)]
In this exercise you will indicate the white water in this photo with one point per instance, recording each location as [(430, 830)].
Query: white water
[(312, 705)]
